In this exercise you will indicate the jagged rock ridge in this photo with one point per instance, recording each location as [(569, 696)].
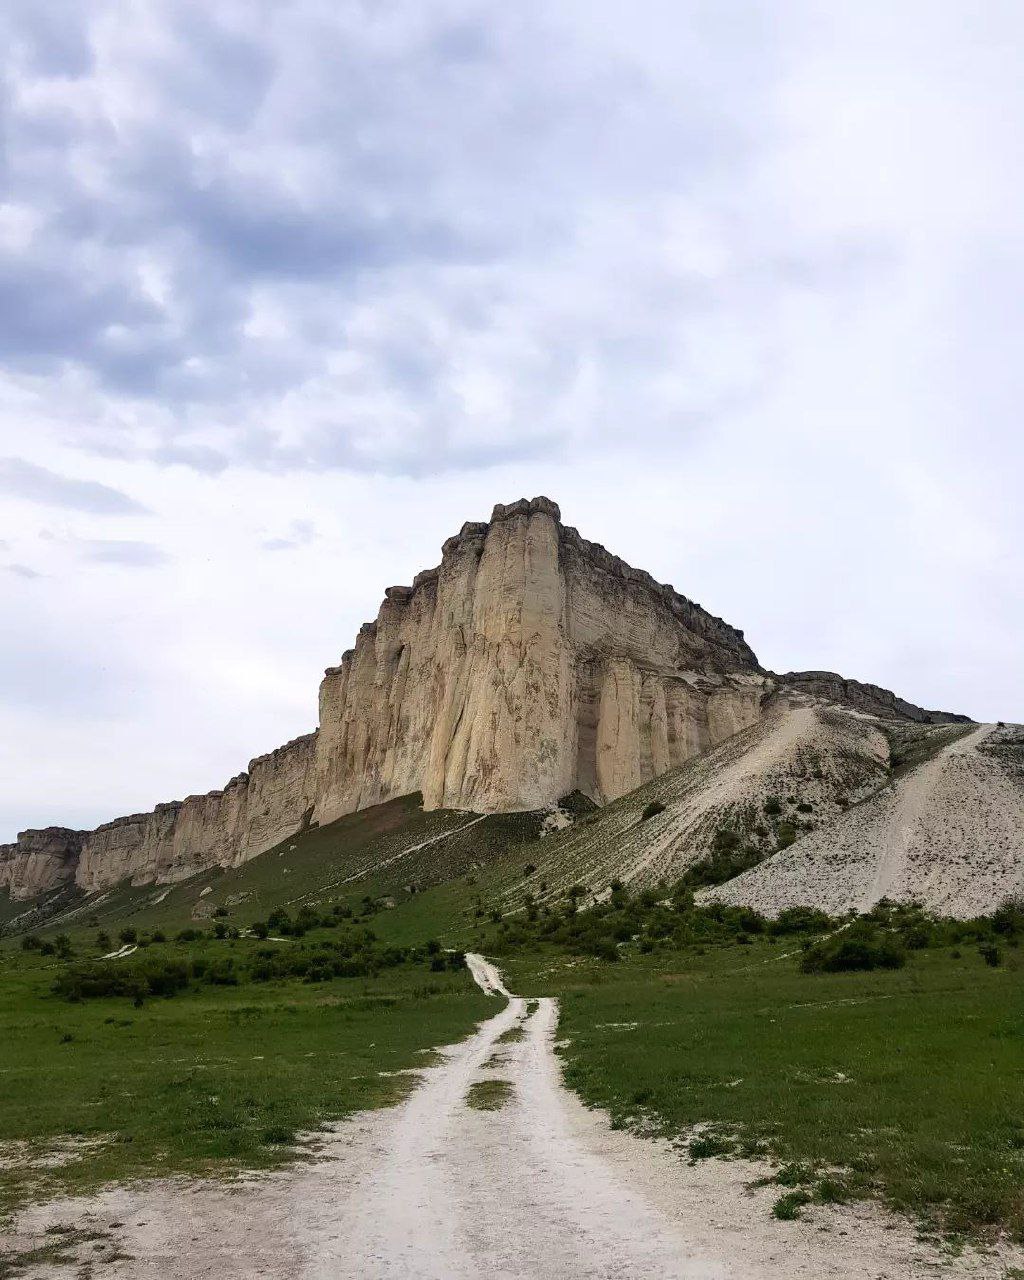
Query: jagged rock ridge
[(530, 663)]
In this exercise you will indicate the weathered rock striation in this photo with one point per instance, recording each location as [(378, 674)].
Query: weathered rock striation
[(40, 859), (255, 811), (530, 663)]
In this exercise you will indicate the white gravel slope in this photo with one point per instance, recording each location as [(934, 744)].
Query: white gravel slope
[(540, 1190), (949, 835)]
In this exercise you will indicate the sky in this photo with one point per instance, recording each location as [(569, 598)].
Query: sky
[(289, 292)]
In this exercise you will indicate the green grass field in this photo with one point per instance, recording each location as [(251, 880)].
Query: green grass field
[(907, 1084), (216, 1079), (903, 1083)]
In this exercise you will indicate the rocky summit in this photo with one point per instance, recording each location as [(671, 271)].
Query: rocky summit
[(529, 664)]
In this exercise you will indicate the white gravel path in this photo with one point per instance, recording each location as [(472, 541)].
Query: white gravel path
[(541, 1189)]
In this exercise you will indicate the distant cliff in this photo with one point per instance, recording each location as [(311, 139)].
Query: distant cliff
[(869, 698), (528, 664)]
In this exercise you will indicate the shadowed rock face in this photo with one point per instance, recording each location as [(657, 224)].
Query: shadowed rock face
[(39, 860), (530, 663), (869, 698)]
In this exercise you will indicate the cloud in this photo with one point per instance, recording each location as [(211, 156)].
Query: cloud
[(327, 279), (301, 533), (132, 555), (33, 483), (23, 571)]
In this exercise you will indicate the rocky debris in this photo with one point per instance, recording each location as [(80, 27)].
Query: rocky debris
[(870, 698), (798, 753)]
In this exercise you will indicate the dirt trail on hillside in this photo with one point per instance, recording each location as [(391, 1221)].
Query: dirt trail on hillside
[(946, 834), (541, 1189), (913, 797)]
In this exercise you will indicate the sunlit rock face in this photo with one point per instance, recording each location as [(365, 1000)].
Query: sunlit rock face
[(528, 664)]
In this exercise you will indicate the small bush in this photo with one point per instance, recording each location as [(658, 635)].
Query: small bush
[(773, 807), (991, 954), (788, 1207), (857, 949), (652, 810), (708, 1145), (829, 1190), (128, 936)]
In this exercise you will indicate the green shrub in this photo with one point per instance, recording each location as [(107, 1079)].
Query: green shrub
[(800, 920), (859, 948), (788, 1207), (652, 810)]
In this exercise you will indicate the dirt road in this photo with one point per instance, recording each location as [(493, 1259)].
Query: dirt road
[(540, 1189)]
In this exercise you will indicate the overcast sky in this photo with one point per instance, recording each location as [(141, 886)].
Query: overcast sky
[(288, 292)]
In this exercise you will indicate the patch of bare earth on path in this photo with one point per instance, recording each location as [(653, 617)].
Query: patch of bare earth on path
[(434, 1188)]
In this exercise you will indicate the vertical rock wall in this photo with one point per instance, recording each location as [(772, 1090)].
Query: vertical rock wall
[(528, 664)]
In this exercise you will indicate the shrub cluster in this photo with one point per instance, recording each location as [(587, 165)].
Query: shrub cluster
[(861, 946), (649, 920), (667, 918), (356, 955), (280, 922)]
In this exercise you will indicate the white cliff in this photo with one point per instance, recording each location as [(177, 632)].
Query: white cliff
[(530, 663)]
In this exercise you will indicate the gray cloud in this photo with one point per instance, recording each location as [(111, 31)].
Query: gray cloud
[(23, 571), (33, 483), (132, 555)]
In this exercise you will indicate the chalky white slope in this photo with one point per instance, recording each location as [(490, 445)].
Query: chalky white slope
[(949, 834)]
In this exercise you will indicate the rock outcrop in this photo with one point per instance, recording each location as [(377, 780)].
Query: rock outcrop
[(869, 698), (529, 664), (255, 811), (40, 859)]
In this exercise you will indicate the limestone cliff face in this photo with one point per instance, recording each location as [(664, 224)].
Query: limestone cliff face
[(255, 811), (528, 664), (39, 860)]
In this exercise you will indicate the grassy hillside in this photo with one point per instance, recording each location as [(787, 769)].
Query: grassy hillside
[(393, 851)]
